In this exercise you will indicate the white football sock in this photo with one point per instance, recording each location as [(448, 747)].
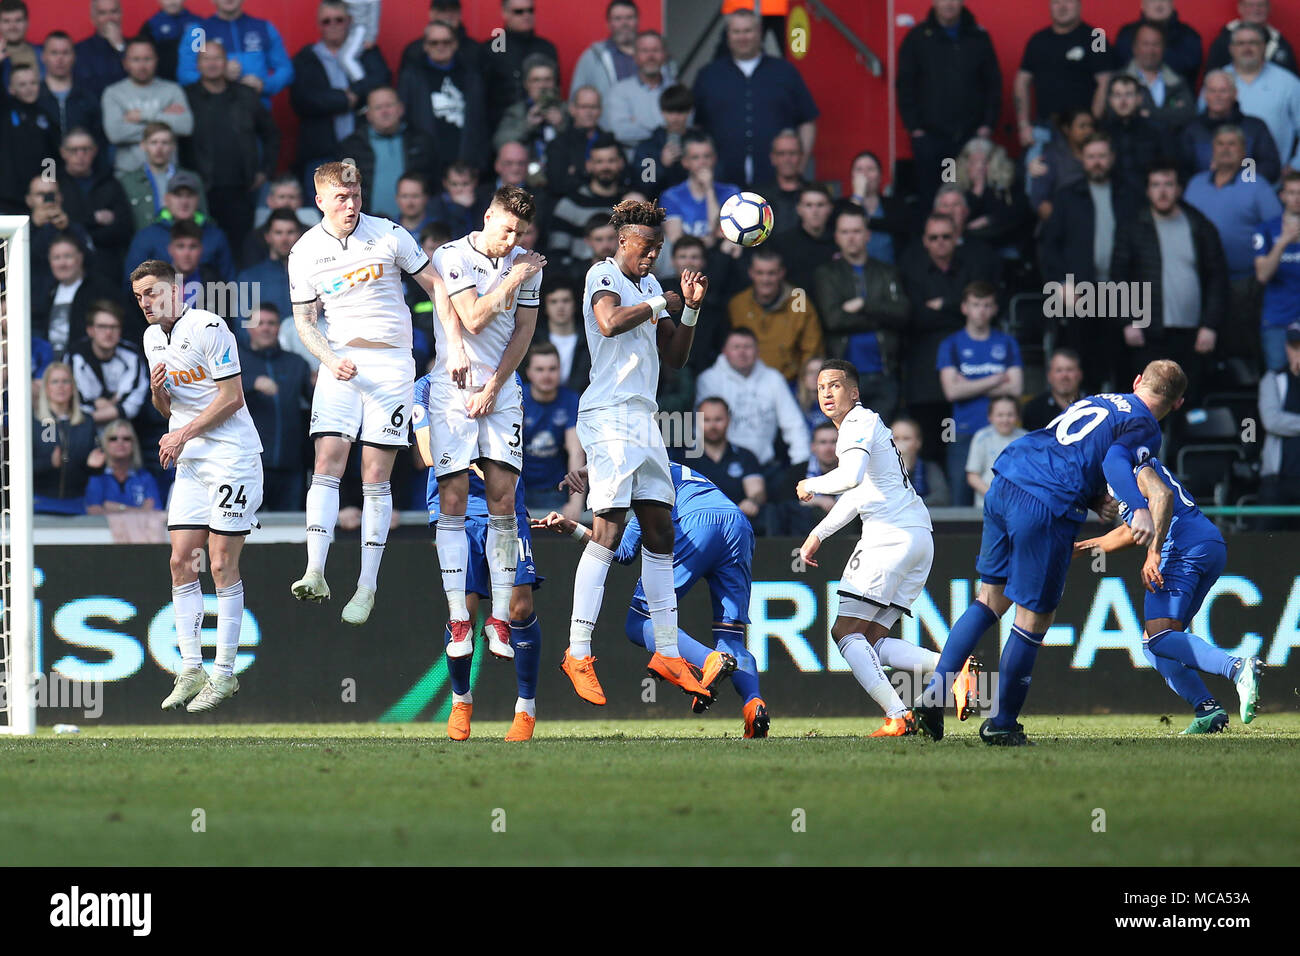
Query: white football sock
[(862, 658), (503, 559), (322, 516), (230, 617), (187, 602), (466, 698), (453, 557), (905, 656), (588, 593), (526, 705), (661, 600), (376, 514)]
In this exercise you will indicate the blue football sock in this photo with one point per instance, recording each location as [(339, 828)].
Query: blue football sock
[(458, 667), (1015, 673), (639, 630), (745, 679), (526, 637), (1182, 680), (1193, 651), (694, 652), (962, 639)]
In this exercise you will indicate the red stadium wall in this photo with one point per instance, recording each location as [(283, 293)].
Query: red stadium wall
[(572, 25), (856, 106)]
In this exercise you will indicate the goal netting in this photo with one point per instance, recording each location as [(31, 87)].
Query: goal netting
[(17, 557)]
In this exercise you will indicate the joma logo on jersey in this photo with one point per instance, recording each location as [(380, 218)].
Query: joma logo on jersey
[(350, 279), (188, 377)]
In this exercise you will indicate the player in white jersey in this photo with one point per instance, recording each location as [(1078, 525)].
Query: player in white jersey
[(889, 567), (195, 383), (345, 281), (494, 288), (626, 316)]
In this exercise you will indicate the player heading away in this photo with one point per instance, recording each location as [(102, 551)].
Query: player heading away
[(1042, 485), (890, 564), (476, 405), (195, 383), (626, 316), (345, 281), (1184, 560)]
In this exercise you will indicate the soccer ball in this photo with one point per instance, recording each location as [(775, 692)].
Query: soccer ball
[(746, 219)]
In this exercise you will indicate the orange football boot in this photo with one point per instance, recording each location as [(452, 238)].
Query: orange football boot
[(675, 670), (582, 672), (458, 722), (521, 728), (756, 722), (904, 726), (965, 689)]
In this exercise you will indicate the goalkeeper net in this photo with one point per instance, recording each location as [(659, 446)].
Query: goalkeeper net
[(17, 564)]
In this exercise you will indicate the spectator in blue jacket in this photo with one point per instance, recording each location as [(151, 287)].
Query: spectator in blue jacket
[(181, 201), (271, 276), (165, 28), (277, 391), (257, 56), (124, 485), (99, 57), (746, 98)]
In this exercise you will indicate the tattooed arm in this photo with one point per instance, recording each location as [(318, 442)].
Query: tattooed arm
[(305, 315)]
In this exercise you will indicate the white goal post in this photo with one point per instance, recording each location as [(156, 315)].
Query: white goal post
[(17, 553)]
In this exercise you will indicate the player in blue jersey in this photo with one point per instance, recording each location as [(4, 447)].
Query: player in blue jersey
[(525, 631), (1183, 561), (1042, 485), (715, 542)]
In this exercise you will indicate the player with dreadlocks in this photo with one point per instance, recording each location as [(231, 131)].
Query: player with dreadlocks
[(626, 315)]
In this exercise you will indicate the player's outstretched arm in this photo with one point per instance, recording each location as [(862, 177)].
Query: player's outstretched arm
[(1117, 539), (230, 399), (476, 311), (305, 315)]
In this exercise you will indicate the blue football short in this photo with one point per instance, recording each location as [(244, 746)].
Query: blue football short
[(1025, 547), (717, 546), (1189, 573)]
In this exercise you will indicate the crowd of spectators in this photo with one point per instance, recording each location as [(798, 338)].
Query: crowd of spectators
[(1152, 160)]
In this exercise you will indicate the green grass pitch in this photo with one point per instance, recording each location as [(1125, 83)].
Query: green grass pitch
[(663, 792)]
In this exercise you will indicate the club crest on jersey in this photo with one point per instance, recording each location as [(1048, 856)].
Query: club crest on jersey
[(185, 345), (604, 280)]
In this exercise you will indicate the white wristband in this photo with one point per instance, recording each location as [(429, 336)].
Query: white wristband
[(657, 305), (690, 316), (580, 532)]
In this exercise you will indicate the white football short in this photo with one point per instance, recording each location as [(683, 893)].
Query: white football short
[(219, 494), (374, 406), (626, 460), (886, 573), (457, 440)]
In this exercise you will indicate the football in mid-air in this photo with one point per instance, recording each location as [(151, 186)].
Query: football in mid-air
[(746, 218)]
